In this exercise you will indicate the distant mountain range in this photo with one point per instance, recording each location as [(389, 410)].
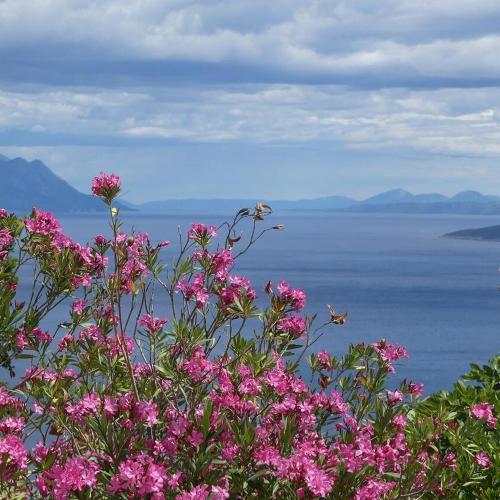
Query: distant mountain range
[(394, 201), (27, 184), (24, 184)]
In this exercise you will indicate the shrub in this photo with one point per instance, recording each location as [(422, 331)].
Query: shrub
[(206, 399), (463, 426)]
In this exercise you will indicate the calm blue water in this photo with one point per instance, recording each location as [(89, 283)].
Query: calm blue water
[(394, 274)]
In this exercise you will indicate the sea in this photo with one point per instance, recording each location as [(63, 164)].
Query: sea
[(395, 275)]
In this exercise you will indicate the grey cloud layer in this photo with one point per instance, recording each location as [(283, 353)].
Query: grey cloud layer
[(393, 41)]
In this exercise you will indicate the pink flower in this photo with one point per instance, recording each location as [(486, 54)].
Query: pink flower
[(415, 389), (318, 481), (484, 411), (78, 307), (5, 241), (106, 186), (336, 404), (394, 397), (374, 490), (37, 408), (152, 324), (389, 352), (69, 373), (66, 341), (100, 240), (293, 325), (218, 493), (198, 366), (74, 476), (249, 387), (200, 492), (5, 237), (7, 400), (13, 454), (91, 333), (110, 406), (40, 335), (450, 461), (324, 360), (195, 438), (194, 290), (399, 421), (43, 223), (483, 459), (293, 296), (199, 232), (84, 280), (21, 340), (12, 425), (147, 411), (222, 262), (89, 405), (3, 213), (39, 452)]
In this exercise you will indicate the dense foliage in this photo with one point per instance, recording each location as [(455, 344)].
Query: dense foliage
[(121, 402), (464, 422)]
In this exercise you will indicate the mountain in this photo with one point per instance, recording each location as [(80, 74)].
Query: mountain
[(27, 184), (400, 201), (489, 233), (430, 198), (475, 197), (390, 202), (393, 196), (326, 203)]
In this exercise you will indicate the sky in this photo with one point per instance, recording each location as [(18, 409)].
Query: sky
[(268, 99)]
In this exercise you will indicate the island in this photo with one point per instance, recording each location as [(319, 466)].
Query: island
[(489, 233)]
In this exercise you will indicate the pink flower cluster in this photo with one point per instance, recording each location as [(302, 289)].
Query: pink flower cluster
[(294, 297), (295, 326), (140, 475), (195, 289), (324, 359), (43, 223), (106, 186), (483, 460), (25, 338), (152, 324), (76, 475), (200, 232), (389, 353), (5, 242), (238, 288), (48, 240), (484, 411), (132, 251)]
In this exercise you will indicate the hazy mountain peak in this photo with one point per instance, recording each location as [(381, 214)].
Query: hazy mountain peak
[(27, 184), (474, 197), (393, 196)]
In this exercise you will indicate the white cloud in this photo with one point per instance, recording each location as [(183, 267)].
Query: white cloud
[(431, 121)]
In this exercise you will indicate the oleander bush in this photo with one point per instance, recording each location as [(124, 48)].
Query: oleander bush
[(211, 397), (462, 423)]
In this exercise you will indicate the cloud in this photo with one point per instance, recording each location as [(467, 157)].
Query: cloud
[(398, 42), (436, 121)]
